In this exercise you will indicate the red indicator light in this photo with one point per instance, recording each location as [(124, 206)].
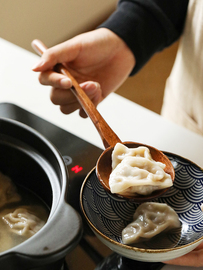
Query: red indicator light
[(77, 169)]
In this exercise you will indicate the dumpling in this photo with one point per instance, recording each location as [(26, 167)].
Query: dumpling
[(150, 219), (8, 191), (135, 172), (121, 151), (23, 222)]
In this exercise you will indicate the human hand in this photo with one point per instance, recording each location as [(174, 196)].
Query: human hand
[(193, 258), (99, 60)]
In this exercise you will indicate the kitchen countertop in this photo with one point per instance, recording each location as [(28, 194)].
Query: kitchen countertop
[(19, 85)]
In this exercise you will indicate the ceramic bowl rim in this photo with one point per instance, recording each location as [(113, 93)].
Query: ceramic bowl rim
[(126, 246)]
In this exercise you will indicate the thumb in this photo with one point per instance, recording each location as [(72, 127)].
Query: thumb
[(64, 52), (41, 49)]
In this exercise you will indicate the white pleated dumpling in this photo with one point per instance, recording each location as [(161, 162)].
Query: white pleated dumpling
[(135, 172), (121, 151), (23, 222), (149, 220)]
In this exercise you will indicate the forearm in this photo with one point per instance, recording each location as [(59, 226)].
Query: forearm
[(147, 26)]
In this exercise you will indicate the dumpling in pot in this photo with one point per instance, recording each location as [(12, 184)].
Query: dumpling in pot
[(23, 222), (8, 191), (150, 219), (135, 172)]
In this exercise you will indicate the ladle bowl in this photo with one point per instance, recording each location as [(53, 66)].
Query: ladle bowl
[(108, 136)]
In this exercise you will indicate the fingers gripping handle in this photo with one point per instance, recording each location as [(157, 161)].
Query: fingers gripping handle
[(107, 135)]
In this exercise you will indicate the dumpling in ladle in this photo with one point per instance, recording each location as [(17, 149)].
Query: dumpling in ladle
[(135, 172)]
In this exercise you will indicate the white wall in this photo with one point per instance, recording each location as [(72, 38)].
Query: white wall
[(52, 21)]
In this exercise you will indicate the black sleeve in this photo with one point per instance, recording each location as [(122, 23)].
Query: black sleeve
[(147, 26)]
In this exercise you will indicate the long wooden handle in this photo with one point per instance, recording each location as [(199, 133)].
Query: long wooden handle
[(109, 138)]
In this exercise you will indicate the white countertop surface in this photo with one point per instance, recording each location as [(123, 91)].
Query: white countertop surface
[(19, 85)]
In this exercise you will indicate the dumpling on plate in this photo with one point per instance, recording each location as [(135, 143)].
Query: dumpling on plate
[(149, 220), (8, 191), (135, 172), (23, 222)]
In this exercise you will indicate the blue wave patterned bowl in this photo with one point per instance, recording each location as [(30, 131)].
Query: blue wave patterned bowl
[(108, 215)]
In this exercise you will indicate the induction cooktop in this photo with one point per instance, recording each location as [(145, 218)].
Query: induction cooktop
[(80, 158)]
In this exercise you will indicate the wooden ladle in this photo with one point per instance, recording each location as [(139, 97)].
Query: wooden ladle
[(109, 138)]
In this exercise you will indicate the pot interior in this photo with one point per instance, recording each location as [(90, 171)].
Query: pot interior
[(30, 162)]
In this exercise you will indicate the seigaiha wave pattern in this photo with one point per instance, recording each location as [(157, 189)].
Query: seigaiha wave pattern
[(110, 214)]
